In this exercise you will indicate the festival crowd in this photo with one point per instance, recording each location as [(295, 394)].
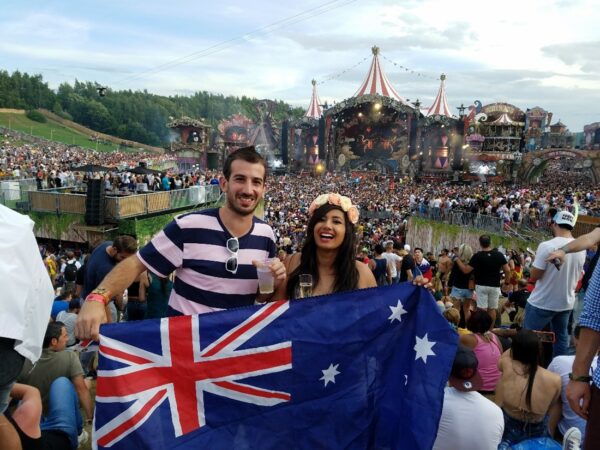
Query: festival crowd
[(528, 320)]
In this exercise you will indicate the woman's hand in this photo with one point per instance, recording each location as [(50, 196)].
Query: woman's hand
[(421, 281)]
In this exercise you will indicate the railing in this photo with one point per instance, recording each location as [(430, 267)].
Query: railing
[(123, 207), (463, 219)]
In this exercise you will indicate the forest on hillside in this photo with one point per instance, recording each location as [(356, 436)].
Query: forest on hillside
[(136, 115)]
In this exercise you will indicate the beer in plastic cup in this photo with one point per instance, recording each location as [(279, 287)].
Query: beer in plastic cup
[(266, 280)]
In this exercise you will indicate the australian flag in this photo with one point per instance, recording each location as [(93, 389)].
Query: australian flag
[(357, 370)]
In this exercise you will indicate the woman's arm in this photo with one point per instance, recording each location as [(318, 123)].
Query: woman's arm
[(291, 263), (366, 279)]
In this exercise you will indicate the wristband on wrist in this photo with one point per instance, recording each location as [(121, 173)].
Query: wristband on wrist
[(582, 378), (96, 298), (564, 249)]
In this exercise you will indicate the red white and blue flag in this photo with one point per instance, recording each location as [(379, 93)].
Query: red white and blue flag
[(364, 369)]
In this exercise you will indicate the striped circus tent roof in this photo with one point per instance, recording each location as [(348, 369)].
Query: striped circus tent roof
[(440, 105), (504, 119), (314, 110), (376, 82)]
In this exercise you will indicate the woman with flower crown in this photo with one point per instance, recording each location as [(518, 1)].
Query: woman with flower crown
[(329, 251)]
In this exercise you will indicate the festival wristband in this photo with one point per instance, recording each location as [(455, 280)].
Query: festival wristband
[(96, 298)]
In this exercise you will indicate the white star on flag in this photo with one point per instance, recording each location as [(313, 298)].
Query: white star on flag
[(423, 348), (329, 374), (397, 312)]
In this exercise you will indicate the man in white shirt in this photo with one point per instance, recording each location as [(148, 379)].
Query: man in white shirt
[(393, 260), (469, 420), (563, 366), (553, 298)]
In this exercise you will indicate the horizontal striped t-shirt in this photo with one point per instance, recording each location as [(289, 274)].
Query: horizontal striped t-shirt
[(194, 246)]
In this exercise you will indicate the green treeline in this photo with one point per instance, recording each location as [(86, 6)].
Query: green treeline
[(135, 115)]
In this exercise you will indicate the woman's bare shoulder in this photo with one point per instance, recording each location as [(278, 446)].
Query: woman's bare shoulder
[(366, 278)]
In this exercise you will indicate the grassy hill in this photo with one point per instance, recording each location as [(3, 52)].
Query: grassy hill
[(65, 132)]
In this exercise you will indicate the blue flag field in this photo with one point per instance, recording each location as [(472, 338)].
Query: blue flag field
[(357, 370)]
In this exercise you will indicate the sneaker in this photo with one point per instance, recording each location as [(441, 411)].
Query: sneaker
[(83, 438), (572, 439)]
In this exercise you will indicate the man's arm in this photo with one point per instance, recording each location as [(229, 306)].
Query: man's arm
[(579, 392), (581, 243), (84, 396), (506, 269), (93, 313), (465, 268), (535, 273)]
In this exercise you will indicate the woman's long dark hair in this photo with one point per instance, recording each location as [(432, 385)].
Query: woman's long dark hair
[(526, 349), (346, 273)]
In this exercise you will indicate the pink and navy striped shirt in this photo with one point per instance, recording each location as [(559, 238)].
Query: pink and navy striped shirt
[(194, 246)]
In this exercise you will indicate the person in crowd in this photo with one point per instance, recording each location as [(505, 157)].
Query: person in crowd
[(461, 291), (466, 410), (486, 265), (137, 297), (444, 269), (61, 302), (54, 363), (583, 397), (102, 260), (526, 391), (69, 318), (452, 315), (393, 260), (218, 247), (553, 298), (159, 290), (69, 270), (486, 346), (328, 252), (564, 417), (407, 267), (26, 429), (422, 264), (380, 267)]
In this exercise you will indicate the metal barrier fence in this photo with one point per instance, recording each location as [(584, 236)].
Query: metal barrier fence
[(463, 218), (123, 207)]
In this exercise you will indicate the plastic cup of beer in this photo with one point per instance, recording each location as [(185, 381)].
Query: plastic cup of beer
[(266, 280), (305, 283)]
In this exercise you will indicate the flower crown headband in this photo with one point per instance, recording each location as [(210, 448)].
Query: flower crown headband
[(337, 200)]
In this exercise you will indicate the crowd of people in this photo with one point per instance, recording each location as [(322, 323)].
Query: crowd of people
[(519, 313)]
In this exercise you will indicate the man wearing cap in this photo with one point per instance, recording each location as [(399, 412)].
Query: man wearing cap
[(553, 298), (469, 420)]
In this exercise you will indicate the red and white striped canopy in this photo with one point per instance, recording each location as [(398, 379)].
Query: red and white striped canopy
[(440, 105), (314, 110), (504, 119), (376, 81)]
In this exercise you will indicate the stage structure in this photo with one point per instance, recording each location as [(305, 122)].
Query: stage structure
[(190, 144), (441, 138), (376, 129), (234, 133), (303, 137), (264, 135)]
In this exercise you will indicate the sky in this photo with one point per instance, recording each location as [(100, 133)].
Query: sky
[(524, 52)]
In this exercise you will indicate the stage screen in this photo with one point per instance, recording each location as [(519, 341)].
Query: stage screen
[(482, 168)]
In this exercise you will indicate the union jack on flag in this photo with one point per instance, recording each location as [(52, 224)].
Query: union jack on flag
[(350, 370)]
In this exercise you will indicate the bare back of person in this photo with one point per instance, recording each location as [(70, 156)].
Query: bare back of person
[(511, 391)]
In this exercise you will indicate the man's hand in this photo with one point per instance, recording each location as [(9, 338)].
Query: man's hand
[(579, 395), (90, 317), (556, 254), (420, 280)]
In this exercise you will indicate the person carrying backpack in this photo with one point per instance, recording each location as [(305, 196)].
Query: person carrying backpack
[(69, 270)]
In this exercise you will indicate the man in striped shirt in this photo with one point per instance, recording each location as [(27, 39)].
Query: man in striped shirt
[(211, 252)]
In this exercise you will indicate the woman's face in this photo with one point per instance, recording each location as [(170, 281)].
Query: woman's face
[(330, 230)]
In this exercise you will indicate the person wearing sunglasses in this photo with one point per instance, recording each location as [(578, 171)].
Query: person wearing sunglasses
[(211, 251)]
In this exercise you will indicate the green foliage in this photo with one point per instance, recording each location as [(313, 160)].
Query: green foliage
[(36, 116), (138, 115)]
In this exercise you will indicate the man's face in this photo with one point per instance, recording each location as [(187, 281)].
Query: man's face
[(61, 343), (245, 187), (418, 255)]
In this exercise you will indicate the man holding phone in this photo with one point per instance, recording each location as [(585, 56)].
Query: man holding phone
[(553, 298)]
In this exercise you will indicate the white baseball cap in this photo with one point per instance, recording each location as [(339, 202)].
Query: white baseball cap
[(564, 218)]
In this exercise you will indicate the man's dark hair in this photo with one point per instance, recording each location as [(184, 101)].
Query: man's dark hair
[(485, 240), (248, 154), (53, 331), (418, 248), (125, 244), (379, 249)]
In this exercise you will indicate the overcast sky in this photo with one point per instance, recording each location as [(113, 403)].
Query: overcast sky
[(525, 52)]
